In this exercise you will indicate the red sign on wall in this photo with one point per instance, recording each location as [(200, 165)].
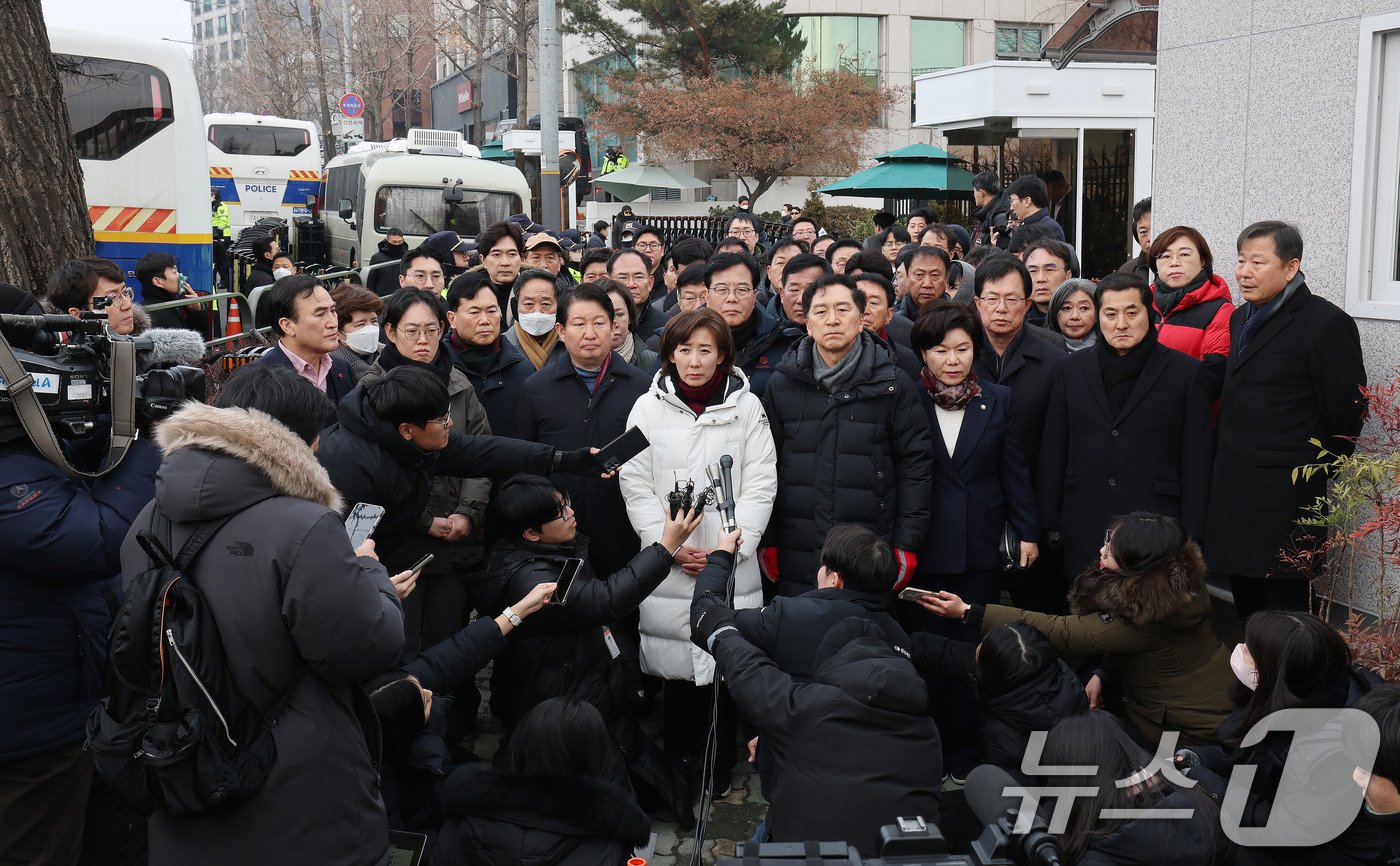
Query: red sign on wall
[(464, 97)]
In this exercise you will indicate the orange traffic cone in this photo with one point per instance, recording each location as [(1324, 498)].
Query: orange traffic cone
[(234, 325)]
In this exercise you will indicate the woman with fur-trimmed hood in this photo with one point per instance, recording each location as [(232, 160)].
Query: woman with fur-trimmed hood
[(1147, 609)]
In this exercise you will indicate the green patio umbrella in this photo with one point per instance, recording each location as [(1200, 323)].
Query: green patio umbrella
[(909, 172), (493, 151), (637, 180)]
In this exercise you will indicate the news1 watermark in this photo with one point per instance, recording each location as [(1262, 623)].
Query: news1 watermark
[(1316, 800)]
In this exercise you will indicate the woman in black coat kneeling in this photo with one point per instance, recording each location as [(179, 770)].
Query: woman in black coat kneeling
[(552, 804)]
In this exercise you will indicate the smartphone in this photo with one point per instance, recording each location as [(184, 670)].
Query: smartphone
[(913, 593), (565, 583), (617, 452), (362, 520), (422, 563)]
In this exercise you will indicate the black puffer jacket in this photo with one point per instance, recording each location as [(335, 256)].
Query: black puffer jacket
[(498, 819), (369, 461), (561, 650), (1038, 705), (862, 455), (862, 725)]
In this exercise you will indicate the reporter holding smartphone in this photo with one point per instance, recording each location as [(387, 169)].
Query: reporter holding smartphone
[(698, 409), (566, 649)]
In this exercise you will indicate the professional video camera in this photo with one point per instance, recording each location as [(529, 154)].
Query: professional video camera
[(73, 381), (992, 795)]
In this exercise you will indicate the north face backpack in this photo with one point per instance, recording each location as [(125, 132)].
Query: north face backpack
[(173, 733)]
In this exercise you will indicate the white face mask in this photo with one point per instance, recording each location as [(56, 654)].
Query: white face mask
[(364, 340), (279, 273), (1244, 671), (536, 324)]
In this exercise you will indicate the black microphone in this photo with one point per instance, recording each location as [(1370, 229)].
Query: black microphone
[(726, 506), (984, 792)]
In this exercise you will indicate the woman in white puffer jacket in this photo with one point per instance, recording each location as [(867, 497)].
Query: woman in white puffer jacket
[(698, 409)]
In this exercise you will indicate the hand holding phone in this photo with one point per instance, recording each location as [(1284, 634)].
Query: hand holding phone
[(617, 452), (911, 593)]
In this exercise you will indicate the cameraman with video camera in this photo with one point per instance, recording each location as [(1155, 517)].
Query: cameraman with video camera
[(60, 540)]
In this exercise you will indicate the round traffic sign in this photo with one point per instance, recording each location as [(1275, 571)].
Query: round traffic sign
[(351, 105)]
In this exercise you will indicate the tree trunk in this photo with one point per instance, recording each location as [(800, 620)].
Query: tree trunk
[(42, 224), (319, 50)]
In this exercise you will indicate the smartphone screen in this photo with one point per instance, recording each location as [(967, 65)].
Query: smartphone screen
[(422, 563), (360, 524), (565, 583)]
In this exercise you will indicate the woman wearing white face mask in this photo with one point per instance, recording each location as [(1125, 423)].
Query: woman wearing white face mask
[(358, 310), (1147, 608), (534, 302), (1289, 660)]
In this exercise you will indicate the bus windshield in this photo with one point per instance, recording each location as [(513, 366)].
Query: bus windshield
[(259, 140), (421, 210)]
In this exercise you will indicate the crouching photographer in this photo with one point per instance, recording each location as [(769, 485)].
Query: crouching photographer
[(61, 532)]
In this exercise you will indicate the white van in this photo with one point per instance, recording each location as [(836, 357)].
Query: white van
[(429, 182)]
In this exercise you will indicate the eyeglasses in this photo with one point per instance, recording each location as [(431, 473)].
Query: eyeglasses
[(1107, 537), (564, 507), (415, 334), (420, 276), (102, 302), (648, 246), (1047, 270), (738, 293), (444, 422), (742, 233), (1009, 301)]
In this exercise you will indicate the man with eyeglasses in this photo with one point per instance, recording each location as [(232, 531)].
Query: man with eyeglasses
[(1050, 263), (648, 242), (635, 271), (804, 229), (1023, 359), (746, 227), (731, 281), (302, 315), (421, 269), (93, 285)]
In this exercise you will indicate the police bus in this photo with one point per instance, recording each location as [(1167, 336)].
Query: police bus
[(138, 127), (263, 166), (428, 182)]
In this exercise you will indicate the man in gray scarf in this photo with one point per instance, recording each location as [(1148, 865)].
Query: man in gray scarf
[(853, 441)]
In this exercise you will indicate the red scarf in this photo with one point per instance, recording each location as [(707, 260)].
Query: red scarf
[(951, 397), (697, 398)]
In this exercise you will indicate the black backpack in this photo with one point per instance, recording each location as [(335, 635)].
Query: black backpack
[(173, 733)]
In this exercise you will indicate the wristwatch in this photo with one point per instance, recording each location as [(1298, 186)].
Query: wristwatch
[(510, 615)]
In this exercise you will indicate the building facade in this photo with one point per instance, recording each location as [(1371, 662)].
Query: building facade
[(891, 41)]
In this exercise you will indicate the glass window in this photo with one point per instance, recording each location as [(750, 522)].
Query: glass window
[(421, 210), (935, 45), (1373, 278), (236, 21), (223, 50), (113, 105), (1019, 41), (846, 42), (198, 30), (237, 48), (208, 5), (259, 140), (223, 24)]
